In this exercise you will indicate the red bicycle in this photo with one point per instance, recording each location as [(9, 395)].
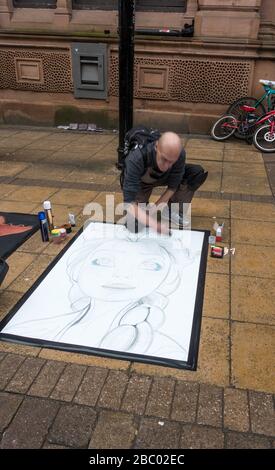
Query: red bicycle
[(248, 126)]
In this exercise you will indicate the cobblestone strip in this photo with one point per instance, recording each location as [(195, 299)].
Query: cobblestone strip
[(201, 437), (73, 426), (30, 424), (9, 404), (47, 378), (91, 386), (185, 402), (69, 382), (143, 412), (262, 413), (2, 355), (8, 367), (136, 394), (210, 410), (236, 413), (25, 375), (113, 390), (158, 434), (237, 440), (160, 398), (114, 430)]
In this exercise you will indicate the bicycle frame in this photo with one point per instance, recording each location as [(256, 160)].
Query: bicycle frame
[(269, 92), (260, 120)]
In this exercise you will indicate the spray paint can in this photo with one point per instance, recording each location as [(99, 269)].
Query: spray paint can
[(48, 211), (219, 233), (43, 226)]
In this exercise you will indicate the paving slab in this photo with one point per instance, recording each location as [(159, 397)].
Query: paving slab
[(11, 168), (157, 434), (31, 194), (30, 425), (236, 410), (216, 302), (197, 153), (204, 207), (18, 262), (9, 403), (17, 206), (253, 350), (242, 155), (253, 233), (73, 426), (245, 185), (201, 437), (256, 261), (75, 358), (252, 300), (114, 430), (235, 440), (210, 405), (253, 211)]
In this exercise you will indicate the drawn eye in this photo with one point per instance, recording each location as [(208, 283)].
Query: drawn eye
[(103, 262), (151, 265)]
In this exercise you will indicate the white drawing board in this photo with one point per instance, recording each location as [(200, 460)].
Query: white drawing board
[(117, 294)]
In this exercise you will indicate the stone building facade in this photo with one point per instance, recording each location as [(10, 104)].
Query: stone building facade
[(180, 83)]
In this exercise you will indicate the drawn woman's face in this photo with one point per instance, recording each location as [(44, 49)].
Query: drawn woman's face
[(123, 270)]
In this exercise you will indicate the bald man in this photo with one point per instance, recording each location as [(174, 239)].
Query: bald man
[(161, 164)]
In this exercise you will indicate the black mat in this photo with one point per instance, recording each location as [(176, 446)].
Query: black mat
[(10, 243)]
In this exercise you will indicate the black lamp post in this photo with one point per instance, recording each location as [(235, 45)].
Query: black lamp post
[(126, 12)]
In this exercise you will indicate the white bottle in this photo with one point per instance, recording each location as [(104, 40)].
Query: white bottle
[(48, 211)]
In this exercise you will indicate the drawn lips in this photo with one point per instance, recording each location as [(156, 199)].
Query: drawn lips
[(118, 285)]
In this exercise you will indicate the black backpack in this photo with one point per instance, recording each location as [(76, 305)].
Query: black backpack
[(137, 137)]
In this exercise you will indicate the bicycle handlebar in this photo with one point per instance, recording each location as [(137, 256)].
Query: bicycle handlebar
[(267, 83)]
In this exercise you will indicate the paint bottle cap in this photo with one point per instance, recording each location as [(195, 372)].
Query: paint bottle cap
[(47, 205), (41, 215), (55, 232), (67, 227)]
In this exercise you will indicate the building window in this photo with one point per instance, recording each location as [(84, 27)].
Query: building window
[(89, 70), (34, 3), (141, 5)]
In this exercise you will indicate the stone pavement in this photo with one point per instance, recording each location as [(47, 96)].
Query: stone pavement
[(54, 399)]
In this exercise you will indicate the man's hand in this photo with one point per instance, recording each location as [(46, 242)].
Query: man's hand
[(148, 218)]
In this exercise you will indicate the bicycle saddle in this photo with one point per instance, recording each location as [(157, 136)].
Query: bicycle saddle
[(247, 109), (268, 83)]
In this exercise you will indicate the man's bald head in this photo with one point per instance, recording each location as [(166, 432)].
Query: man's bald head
[(168, 149)]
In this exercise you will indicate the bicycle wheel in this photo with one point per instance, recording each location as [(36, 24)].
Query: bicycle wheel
[(224, 127), (264, 139), (245, 128)]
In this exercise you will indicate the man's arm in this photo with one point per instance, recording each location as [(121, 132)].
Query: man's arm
[(133, 173), (165, 197), (177, 172)]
